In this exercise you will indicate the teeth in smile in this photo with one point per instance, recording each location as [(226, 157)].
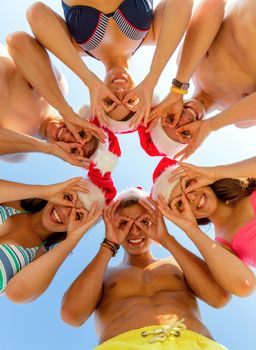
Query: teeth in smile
[(135, 240), (119, 80), (56, 216), (202, 201)]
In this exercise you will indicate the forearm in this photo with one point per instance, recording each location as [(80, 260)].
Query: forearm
[(227, 269), (35, 278), (197, 274), (172, 21), (14, 142), (244, 168), (242, 111), (81, 299), (14, 191), (200, 34)]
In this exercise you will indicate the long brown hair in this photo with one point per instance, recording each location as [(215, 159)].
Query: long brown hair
[(231, 190), (34, 205)]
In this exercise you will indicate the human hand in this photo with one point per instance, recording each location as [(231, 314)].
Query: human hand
[(102, 101), (172, 105), (198, 131), (64, 193), (179, 212), (194, 176), (80, 220), (152, 223), (117, 228), (143, 93)]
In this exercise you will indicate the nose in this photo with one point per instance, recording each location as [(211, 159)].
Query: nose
[(135, 230), (191, 196), (120, 92)]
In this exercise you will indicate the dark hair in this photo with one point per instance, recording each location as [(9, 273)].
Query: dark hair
[(127, 202), (91, 147), (34, 205), (231, 190)]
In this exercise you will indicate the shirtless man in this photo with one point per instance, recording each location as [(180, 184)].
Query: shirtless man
[(25, 114), (218, 54), (153, 300)]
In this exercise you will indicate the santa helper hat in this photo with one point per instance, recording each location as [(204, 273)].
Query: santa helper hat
[(116, 126), (132, 193), (161, 175), (157, 143), (106, 155)]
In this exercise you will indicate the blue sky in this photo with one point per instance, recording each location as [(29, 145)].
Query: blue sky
[(38, 324)]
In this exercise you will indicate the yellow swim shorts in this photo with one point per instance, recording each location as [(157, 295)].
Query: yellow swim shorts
[(160, 338)]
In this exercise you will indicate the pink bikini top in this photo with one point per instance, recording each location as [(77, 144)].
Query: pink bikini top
[(243, 243)]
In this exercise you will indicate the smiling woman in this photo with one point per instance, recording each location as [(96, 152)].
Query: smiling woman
[(203, 195), (30, 227)]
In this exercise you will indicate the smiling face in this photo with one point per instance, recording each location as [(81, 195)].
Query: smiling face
[(55, 217), (186, 118), (203, 201), (136, 242), (119, 81), (57, 131)]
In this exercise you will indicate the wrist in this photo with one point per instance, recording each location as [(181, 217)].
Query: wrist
[(213, 123), (169, 239), (110, 245)]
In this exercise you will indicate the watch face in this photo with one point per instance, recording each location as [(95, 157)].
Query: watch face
[(180, 85)]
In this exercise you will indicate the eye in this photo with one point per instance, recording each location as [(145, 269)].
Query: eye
[(82, 133), (109, 102), (147, 222), (169, 119), (68, 197), (187, 183), (79, 216), (179, 205), (123, 223)]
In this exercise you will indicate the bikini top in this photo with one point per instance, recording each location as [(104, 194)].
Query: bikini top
[(13, 257), (88, 25), (243, 243)]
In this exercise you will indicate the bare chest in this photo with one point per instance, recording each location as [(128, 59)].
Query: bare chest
[(22, 109), (228, 73), (129, 282)]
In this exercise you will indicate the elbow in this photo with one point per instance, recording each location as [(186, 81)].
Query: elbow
[(221, 300), (245, 287), (70, 314), (18, 293)]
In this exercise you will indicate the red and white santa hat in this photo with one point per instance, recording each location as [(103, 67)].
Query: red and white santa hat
[(132, 193), (161, 175), (116, 126), (100, 186), (157, 143), (106, 156)]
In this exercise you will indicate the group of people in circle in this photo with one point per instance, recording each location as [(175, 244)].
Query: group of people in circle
[(144, 302)]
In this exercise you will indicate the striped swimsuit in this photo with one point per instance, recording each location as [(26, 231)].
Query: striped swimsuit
[(88, 25), (13, 257)]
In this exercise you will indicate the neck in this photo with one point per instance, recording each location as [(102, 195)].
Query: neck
[(205, 99), (140, 261), (221, 216), (112, 62), (38, 228)]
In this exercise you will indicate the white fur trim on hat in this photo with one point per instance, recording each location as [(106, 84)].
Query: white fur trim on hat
[(105, 161), (162, 186), (94, 195), (131, 193), (163, 142)]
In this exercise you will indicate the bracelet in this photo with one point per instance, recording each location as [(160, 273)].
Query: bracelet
[(110, 245), (178, 84), (178, 91)]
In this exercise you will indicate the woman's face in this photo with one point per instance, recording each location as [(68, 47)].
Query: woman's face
[(55, 217), (119, 82), (203, 201)]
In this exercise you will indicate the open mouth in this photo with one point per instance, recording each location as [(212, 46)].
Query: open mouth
[(136, 242), (119, 79), (202, 202), (55, 217), (59, 132)]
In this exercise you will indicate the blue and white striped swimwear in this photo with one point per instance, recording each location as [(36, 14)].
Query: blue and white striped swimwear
[(12, 257)]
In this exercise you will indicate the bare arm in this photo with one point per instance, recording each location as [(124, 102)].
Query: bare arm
[(226, 268), (197, 274), (244, 168), (241, 112), (204, 26), (81, 299), (171, 19), (26, 286), (14, 142)]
